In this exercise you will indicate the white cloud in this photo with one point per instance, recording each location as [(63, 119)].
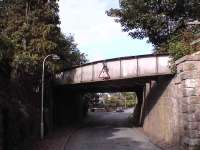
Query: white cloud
[(87, 21)]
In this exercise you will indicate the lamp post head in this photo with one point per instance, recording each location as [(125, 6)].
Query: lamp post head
[(55, 57)]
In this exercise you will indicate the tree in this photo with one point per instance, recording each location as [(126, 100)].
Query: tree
[(159, 20), (29, 30), (121, 99), (130, 98), (33, 28)]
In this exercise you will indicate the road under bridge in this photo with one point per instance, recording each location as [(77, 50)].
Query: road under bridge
[(168, 104)]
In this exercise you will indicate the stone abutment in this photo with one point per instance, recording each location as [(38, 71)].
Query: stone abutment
[(171, 112)]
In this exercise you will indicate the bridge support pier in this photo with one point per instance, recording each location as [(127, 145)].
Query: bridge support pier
[(137, 115)]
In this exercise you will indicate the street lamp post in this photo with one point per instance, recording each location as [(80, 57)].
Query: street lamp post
[(54, 57)]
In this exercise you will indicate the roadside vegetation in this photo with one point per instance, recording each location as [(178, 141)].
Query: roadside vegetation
[(29, 31), (164, 23), (121, 100), (112, 101)]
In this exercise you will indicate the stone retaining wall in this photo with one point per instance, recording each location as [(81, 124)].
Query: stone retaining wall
[(162, 107), (188, 76), (172, 106)]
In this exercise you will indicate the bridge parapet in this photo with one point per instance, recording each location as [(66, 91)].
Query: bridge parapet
[(117, 68)]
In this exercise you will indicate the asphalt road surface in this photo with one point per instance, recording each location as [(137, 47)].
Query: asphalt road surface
[(109, 131)]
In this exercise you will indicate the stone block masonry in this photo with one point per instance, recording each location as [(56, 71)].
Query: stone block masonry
[(189, 72), (172, 106)]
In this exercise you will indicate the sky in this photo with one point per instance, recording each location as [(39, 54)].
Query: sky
[(98, 35)]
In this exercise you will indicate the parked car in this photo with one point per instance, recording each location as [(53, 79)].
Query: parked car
[(119, 109), (98, 110)]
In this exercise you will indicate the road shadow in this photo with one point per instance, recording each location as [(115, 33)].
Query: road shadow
[(107, 131)]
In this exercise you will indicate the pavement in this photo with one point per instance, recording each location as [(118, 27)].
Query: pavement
[(106, 131), (55, 141), (100, 131)]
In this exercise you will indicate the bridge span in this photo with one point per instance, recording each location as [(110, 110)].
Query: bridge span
[(118, 74)]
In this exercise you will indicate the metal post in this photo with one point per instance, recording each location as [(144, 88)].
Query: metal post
[(120, 68), (42, 101), (42, 94), (125, 102), (92, 72), (137, 69)]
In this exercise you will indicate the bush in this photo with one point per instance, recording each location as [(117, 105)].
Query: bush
[(179, 45)]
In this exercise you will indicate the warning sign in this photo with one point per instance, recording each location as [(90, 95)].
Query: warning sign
[(104, 74)]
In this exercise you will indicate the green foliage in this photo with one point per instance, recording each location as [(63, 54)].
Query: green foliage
[(113, 102), (128, 99), (131, 99), (178, 49), (179, 45), (29, 31), (5, 48), (158, 20), (33, 28), (5, 55)]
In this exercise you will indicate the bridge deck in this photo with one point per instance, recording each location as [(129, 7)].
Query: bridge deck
[(115, 69)]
